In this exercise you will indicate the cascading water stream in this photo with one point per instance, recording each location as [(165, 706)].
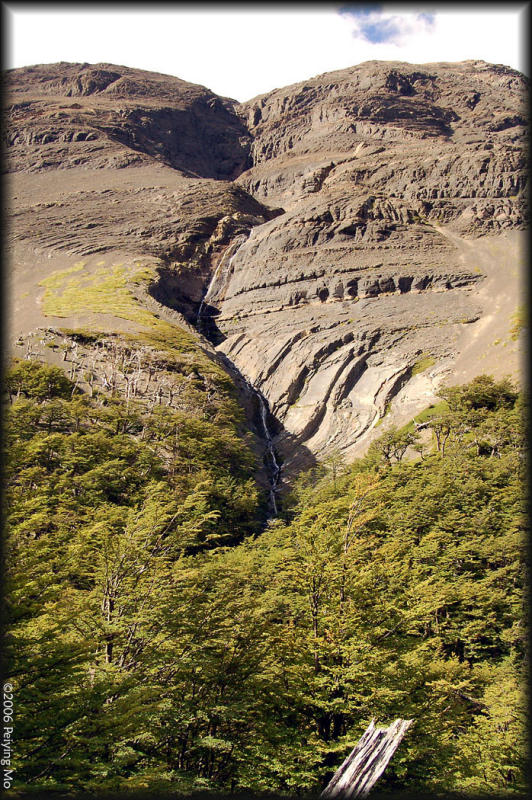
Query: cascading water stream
[(274, 468), (230, 253)]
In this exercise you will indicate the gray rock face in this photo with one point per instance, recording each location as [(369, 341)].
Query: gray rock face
[(437, 136), (347, 241), (382, 170)]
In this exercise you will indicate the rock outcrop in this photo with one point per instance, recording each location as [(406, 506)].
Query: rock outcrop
[(349, 239), (103, 116)]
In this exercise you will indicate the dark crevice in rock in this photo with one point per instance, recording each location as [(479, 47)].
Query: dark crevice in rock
[(315, 421), (285, 350), (352, 287), (296, 386), (354, 375), (405, 284), (317, 417), (396, 386)]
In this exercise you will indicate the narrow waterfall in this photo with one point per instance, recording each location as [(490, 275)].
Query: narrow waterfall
[(272, 464), (229, 253)]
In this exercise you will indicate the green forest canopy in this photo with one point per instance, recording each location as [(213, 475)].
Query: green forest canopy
[(158, 639)]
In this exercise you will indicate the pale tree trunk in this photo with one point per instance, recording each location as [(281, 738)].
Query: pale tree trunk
[(366, 762)]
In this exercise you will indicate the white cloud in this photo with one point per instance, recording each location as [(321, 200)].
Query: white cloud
[(491, 34), (384, 27), (245, 52)]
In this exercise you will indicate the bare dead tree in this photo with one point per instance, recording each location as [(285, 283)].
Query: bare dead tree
[(366, 762)]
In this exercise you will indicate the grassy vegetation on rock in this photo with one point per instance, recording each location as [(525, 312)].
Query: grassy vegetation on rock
[(519, 322), (108, 290), (424, 363)]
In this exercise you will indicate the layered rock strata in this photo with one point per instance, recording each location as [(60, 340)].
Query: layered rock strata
[(348, 243)]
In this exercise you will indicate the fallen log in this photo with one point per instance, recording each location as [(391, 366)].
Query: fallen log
[(366, 762)]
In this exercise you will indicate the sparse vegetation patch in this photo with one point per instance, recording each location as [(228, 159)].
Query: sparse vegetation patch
[(105, 291), (519, 321)]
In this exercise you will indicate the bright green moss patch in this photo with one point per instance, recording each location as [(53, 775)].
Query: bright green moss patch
[(182, 349), (168, 337), (143, 275), (423, 364), (432, 411), (57, 279), (106, 291)]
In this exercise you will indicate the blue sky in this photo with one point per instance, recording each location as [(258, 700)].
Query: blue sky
[(244, 50), (374, 26)]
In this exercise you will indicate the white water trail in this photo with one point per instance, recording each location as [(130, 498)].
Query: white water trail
[(272, 464), (276, 469), (230, 253)]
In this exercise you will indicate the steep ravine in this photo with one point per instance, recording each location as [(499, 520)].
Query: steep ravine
[(215, 287)]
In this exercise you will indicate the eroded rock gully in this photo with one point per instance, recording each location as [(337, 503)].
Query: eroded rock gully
[(342, 245)]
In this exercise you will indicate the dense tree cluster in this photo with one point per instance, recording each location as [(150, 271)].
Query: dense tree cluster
[(157, 639)]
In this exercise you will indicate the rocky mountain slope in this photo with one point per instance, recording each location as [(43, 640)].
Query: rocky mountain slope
[(343, 245)]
